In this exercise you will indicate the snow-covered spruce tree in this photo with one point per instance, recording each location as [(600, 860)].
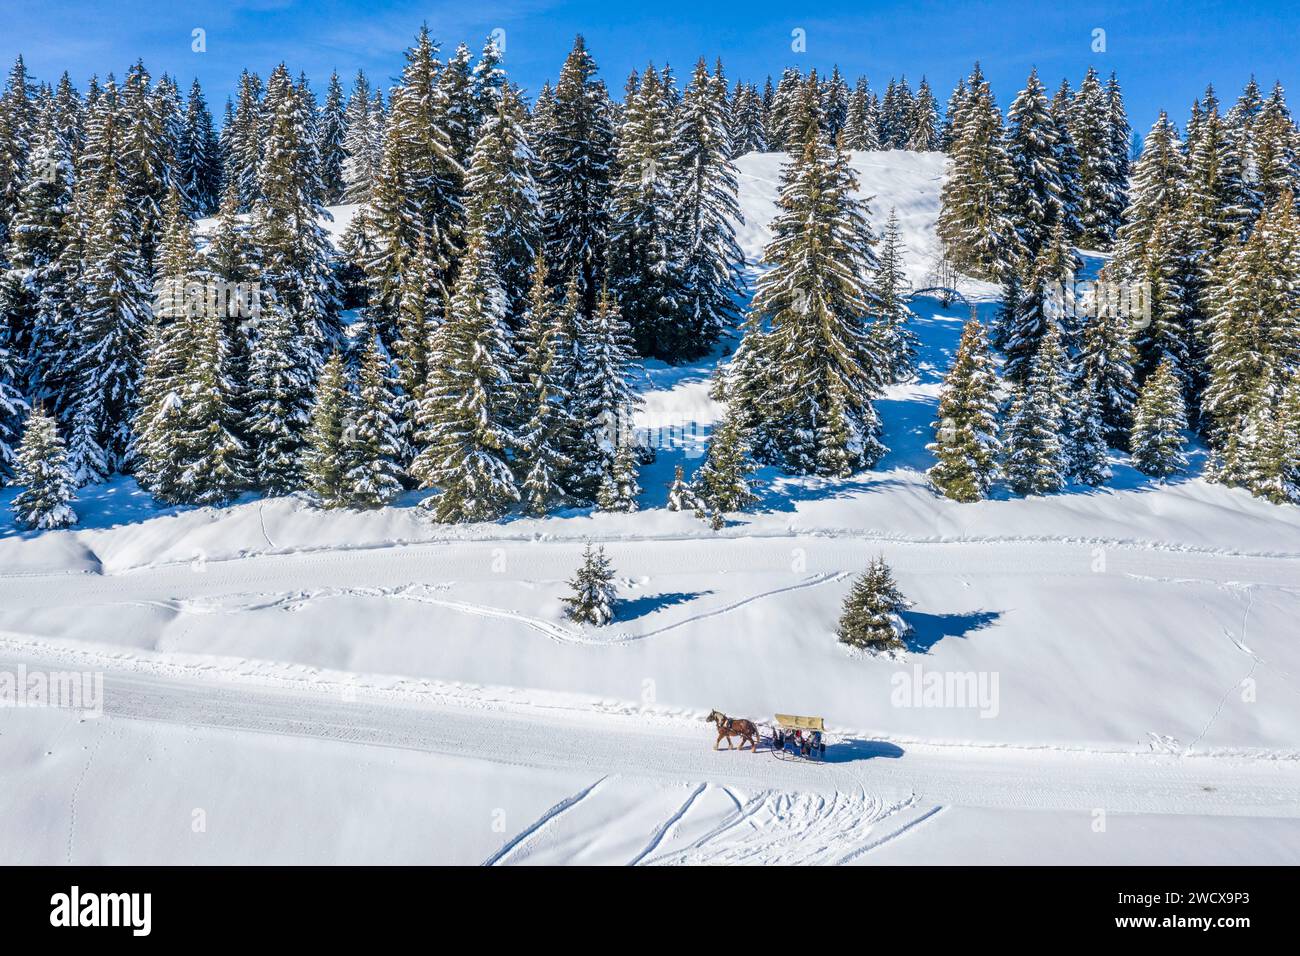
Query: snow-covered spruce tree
[(1166, 332), (547, 376), (723, 483), (975, 222), (603, 397), (37, 294), (1274, 446), (144, 158), (620, 489), (42, 472), (924, 132), (331, 135), (1034, 301), (469, 399), (813, 300), (1069, 164), (200, 166), (502, 200), (1159, 423), (361, 142), (1033, 150), (241, 139), (324, 460), (1085, 426), (645, 254), (417, 189), (1101, 182), (966, 443), (681, 495), (746, 122), (1106, 361), (157, 427), (12, 408), (215, 461), (112, 331), (457, 107), (1157, 183), (1275, 146), (707, 213), (896, 117), (872, 615), (17, 125), (592, 596), (420, 311), (861, 127), (279, 399), (576, 151), (1120, 146), (890, 338), (835, 103), (373, 443), (292, 246), (1035, 461)]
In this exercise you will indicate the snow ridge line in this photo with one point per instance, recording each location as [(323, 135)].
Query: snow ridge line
[(546, 818), (594, 537)]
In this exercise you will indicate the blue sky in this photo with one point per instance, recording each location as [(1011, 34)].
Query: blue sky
[(1164, 52)]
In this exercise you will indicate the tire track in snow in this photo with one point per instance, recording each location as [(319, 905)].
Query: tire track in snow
[(547, 818)]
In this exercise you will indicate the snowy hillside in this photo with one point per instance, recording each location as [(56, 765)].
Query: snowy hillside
[(1136, 640)]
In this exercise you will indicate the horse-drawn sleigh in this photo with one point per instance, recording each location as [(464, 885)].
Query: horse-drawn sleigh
[(793, 737)]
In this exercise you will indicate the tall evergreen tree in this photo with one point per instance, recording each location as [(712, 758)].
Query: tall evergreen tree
[(1036, 460), (805, 341), (707, 213), (373, 443), (279, 399), (469, 399), (576, 150), (966, 443), (292, 246), (325, 456), (1158, 424)]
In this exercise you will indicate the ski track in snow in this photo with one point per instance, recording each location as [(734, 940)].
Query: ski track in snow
[(537, 826)]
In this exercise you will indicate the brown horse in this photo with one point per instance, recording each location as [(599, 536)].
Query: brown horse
[(729, 727)]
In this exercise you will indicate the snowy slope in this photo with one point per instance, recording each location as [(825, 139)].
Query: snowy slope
[(1139, 627)]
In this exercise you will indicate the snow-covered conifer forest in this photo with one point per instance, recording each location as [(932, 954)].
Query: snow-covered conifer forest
[(417, 423)]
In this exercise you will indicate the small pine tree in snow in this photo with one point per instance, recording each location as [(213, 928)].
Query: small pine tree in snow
[(373, 440), (681, 496), (1158, 424), (42, 471), (619, 490), (325, 457), (872, 615), (889, 335), (592, 600), (966, 434), (723, 482)]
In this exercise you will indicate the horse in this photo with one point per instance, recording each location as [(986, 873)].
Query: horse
[(729, 727)]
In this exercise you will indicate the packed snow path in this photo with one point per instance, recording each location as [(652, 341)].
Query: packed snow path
[(867, 793)]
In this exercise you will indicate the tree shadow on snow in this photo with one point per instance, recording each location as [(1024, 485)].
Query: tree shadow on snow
[(630, 609), (929, 629)]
